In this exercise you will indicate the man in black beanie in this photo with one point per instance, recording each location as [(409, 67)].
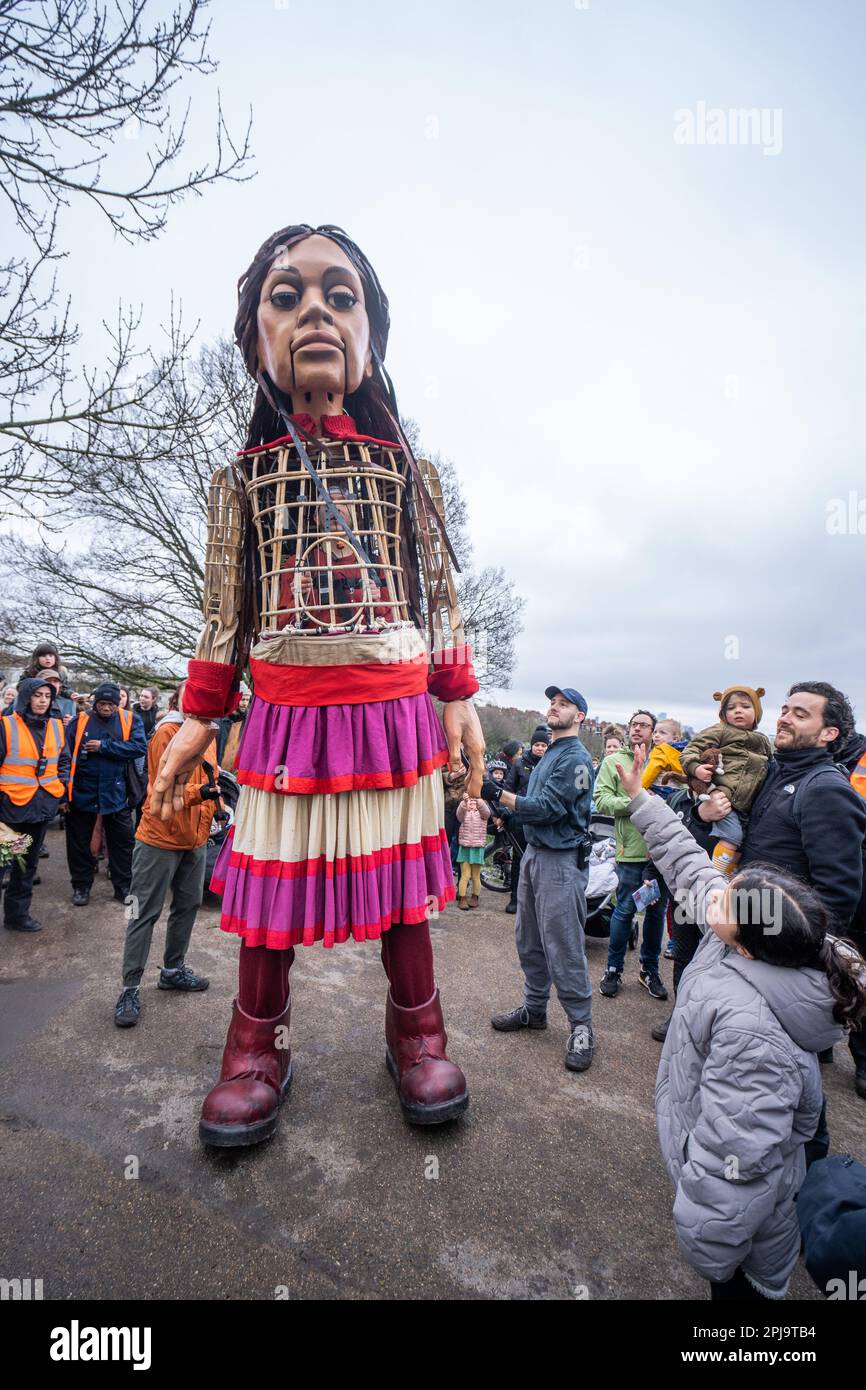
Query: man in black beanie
[(101, 745)]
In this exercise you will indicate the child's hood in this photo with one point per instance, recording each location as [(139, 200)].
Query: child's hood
[(800, 999)]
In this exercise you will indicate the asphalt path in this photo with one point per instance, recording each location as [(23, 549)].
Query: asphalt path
[(551, 1187)]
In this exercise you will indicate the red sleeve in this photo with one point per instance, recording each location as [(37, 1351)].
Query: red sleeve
[(208, 690), (453, 676)]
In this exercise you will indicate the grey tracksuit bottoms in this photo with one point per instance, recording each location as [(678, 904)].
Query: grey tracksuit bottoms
[(551, 912)]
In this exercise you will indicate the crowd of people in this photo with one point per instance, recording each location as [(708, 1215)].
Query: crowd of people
[(89, 759), (751, 853), (754, 855)]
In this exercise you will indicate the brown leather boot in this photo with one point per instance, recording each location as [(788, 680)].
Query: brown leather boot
[(431, 1089), (255, 1078)]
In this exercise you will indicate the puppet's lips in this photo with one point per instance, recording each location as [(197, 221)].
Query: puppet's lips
[(318, 340)]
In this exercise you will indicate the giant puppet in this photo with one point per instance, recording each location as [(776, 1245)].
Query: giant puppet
[(327, 571)]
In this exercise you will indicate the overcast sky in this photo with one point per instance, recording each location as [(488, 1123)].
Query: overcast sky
[(644, 355)]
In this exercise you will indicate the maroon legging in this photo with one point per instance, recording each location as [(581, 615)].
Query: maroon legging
[(407, 955)]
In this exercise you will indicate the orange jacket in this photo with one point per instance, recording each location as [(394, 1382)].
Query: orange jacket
[(190, 828)]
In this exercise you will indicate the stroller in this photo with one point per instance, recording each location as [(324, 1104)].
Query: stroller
[(602, 883)]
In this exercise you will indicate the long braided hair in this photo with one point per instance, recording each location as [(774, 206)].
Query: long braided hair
[(374, 405)]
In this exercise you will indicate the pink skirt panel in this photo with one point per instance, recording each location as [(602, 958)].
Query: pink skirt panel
[(279, 904), (304, 750)]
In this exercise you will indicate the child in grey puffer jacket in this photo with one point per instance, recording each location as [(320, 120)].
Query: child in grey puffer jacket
[(739, 1092)]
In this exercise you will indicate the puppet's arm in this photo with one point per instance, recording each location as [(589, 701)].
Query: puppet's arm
[(452, 677), (209, 690)]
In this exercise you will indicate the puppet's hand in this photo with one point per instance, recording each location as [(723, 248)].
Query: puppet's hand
[(180, 758), (463, 728)]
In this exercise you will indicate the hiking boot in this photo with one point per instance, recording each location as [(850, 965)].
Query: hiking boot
[(182, 978), (29, 924), (580, 1047), (81, 897), (860, 1084), (473, 900), (120, 897), (463, 904), (652, 982), (517, 1019), (511, 909), (128, 1007), (826, 1057), (660, 1031), (610, 983)]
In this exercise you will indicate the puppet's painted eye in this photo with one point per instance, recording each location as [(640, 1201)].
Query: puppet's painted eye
[(285, 299)]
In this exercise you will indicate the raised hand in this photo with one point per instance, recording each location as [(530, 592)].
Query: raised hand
[(630, 777)]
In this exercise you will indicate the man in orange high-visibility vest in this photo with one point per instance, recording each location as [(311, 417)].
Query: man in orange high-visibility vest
[(34, 766), (102, 744)]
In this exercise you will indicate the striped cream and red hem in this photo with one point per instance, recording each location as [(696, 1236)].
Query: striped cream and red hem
[(305, 868), (332, 868), (347, 782), (309, 936)]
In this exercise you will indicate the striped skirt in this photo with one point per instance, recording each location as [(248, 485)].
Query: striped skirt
[(339, 827)]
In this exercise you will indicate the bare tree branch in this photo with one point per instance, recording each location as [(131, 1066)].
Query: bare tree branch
[(84, 87)]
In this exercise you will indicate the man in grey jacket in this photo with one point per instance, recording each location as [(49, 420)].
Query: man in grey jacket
[(551, 897)]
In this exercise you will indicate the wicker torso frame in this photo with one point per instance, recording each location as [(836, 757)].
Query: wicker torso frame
[(311, 577), (269, 532)]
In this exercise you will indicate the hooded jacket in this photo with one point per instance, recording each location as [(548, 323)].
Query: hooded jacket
[(738, 1092), (815, 832), (744, 760), (42, 806)]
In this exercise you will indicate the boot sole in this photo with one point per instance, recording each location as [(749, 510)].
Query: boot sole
[(519, 1027), (244, 1136), (437, 1114)]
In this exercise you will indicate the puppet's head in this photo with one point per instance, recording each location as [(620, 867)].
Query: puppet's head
[(312, 326)]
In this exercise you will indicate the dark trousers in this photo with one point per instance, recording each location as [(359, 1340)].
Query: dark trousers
[(516, 856), (120, 839), (686, 939), (630, 876), (857, 933), (19, 886), (155, 872)]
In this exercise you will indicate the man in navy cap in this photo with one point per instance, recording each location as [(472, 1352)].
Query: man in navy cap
[(551, 898)]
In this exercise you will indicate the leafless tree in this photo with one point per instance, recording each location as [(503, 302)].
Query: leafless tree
[(117, 583), (489, 602), (76, 77)]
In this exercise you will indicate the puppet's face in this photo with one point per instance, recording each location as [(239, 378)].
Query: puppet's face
[(314, 335)]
